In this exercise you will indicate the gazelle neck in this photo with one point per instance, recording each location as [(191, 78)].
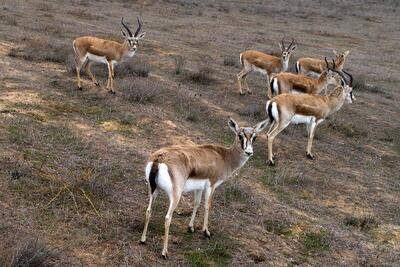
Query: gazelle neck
[(336, 99), (235, 157), (285, 64)]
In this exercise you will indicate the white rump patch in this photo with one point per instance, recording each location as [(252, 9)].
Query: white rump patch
[(301, 119), (196, 184), (148, 169), (163, 179), (274, 111), (275, 86)]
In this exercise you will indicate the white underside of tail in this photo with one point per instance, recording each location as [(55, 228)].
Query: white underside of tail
[(275, 112), (275, 88), (298, 67)]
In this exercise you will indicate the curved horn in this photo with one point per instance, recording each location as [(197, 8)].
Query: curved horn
[(126, 27), (283, 43), (333, 64), (342, 76), (350, 76), (139, 27), (327, 64), (291, 44)]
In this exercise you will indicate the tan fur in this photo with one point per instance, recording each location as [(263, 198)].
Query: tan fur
[(211, 163), (308, 65), (317, 107), (252, 60), (289, 82)]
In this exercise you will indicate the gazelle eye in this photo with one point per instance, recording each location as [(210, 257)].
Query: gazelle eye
[(241, 137), (254, 138)]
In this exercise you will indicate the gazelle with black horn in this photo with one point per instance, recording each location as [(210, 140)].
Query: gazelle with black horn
[(306, 66), (252, 60), (90, 49), (197, 168), (285, 109), (286, 82)]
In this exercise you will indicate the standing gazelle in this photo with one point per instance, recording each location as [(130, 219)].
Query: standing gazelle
[(198, 168), (252, 60), (88, 49), (286, 82), (314, 65), (304, 108)]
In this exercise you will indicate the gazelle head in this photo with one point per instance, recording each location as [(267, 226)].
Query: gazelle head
[(347, 86), (287, 51), (339, 58), (132, 39), (331, 75), (245, 136)]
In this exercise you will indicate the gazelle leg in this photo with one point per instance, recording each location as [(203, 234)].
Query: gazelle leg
[(207, 204), (271, 136), (89, 71), (148, 214), (197, 200), (311, 133), (79, 63), (246, 85), (112, 78), (173, 203), (240, 75)]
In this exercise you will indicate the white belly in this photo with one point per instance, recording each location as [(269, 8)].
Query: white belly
[(99, 59), (196, 184), (301, 119), (262, 71)]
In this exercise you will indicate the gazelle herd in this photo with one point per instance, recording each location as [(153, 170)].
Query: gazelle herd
[(293, 98)]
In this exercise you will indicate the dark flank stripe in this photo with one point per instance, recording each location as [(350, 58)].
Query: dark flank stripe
[(152, 177), (271, 118)]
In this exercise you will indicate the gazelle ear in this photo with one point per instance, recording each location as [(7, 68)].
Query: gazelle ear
[(280, 46), (334, 52), (346, 53), (260, 126), (233, 125), (124, 34), (293, 47), (140, 36)]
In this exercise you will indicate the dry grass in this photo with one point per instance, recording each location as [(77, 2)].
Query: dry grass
[(202, 76), (139, 90)]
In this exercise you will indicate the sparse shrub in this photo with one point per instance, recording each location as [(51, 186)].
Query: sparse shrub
[(140, 90), (179, 62), (132, 68), (235, 192), (278, 227), (45, 7), (253, 110), (316, 241), (363, 222), (9, 20), (30, 252), (230, 61), (347, 129), (191, 109), (202, 76), (42, 50)]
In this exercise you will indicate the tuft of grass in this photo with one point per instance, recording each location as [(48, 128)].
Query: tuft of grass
[(348, 129), (363, 222), (253, 110), (231, 61), (202, 76), (197, 259), (132, 68), (316, 242), (140, 90), (278, 227), (179, 63), (45, 7), (42, 50), (29, 252), (235, 192), (191, 109)]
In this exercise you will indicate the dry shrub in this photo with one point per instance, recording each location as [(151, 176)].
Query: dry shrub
[(140, 90), (231, 61), (253, 110), (42, 50), (363, 222), (28, 252), (132, 68), (191, 109), (179, 62), (202, 76)]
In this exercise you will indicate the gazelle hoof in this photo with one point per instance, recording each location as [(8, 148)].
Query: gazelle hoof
[(142, 242), (80, 88), (310, 156), (207, 234), (241, 93), (165, 256), (250, 92), (190, 229), (271, 162), (112, 92), (96, 83)]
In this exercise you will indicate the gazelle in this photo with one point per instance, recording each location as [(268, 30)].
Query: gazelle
[(252, 60), (286, 82), (304, 108), (88, 49), (307, 65), (198, 168)]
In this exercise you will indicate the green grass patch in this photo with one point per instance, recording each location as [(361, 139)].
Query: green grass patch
[(314, 242)]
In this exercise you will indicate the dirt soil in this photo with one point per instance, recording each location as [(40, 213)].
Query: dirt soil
[(72, 162)]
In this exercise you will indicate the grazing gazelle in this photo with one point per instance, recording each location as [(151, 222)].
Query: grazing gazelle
[(307, 65), (286, 82), (304, 108), (198, 168), (88, 49), (252, 60)]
